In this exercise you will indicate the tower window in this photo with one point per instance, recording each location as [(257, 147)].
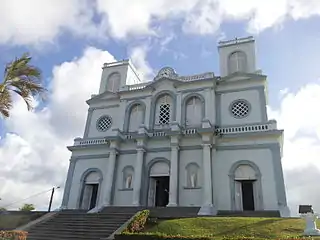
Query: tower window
[(237, 62), (113, 83)]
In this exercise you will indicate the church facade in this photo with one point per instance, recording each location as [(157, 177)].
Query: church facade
[(200, 140)]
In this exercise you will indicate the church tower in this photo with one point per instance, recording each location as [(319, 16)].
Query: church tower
[(117, 76), (237, 55)]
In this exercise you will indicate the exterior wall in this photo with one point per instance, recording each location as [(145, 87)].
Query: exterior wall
[(224, 159), (190, 196), (251, 96), (81, 166), (113, 112), (122, 196)]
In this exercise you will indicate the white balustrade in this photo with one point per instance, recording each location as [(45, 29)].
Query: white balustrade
[(96, 141), (248, 128)]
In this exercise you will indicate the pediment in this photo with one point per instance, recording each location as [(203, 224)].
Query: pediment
[(241, 76), (107, 95), (163, 82)]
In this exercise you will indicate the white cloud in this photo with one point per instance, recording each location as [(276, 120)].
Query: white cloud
[(138, 57), (200, 16), (300, 119), (35, 155), (32, 22)]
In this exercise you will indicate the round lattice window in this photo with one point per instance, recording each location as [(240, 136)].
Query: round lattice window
[(240, 108), (104, 123)]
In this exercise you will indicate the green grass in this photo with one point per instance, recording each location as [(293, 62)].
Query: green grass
[(9, 222), (220, 227)]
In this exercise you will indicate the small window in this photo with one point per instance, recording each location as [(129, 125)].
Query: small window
[(136, 117), (192, 170), (128, 177), (164, 116), (193, 112), (240, 108), (104, 123), (163, 110)]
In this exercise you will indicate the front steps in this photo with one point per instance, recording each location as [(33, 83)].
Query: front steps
[(73, 224), (78, 224)]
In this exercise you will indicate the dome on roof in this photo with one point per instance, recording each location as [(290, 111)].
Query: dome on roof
[(167, 72)]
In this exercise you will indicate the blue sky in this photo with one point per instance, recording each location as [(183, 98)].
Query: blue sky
[(71, 40)]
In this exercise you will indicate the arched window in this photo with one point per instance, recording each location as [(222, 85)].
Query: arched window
[(163, 110), (128, 174), (192, 170), (237, 62), (113, 82), (136, 117), (193, 111)]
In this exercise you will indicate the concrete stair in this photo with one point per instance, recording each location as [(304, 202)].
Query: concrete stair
[(225, 213), (173, 212), (73, 224)]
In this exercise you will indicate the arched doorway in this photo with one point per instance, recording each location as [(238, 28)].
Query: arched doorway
[(91, 182), (159, 178), (246, 193)]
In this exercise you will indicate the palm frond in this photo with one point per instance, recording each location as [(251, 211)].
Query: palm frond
[(5, 103), (22, 78)]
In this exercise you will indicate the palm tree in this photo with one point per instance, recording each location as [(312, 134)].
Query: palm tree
[(22, 78)]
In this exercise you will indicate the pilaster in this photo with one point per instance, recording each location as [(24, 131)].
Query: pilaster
[(67, 187), (138, 171), (110, 173), (207, 201), (88, 122), (174, 172)]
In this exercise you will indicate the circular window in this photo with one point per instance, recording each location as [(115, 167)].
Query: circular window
[(104, 123), (240, 108)]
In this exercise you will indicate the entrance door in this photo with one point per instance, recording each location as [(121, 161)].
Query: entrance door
[(94, 196), (247, 195), (159, 191), (90, 196)]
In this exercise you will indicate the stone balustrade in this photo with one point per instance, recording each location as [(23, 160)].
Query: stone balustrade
[(94, 141), (190, 131), (247, 128)]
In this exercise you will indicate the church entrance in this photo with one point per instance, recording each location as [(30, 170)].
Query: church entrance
[(246, 189), (162, 191), (159, 191), (159, 178), (247, 195), (90, 196)]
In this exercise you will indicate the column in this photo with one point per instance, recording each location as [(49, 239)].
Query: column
[(208, 104), (109, 177), (207, 187), (173, 191), (67, 187), (137, 177)]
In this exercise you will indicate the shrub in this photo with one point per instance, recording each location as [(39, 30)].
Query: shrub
[(161, 236), (138, 222), (13, 235)]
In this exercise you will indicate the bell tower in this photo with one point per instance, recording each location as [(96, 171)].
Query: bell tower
[(117, 75), (237, 55)]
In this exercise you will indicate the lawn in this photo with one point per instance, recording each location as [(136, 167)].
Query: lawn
[(219, 227), (12, 221)]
